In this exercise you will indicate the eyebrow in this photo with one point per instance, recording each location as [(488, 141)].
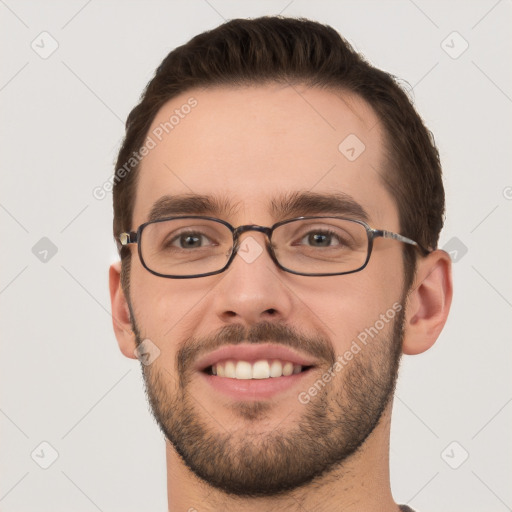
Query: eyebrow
[(192, 204), (294, 204), (298, 204)]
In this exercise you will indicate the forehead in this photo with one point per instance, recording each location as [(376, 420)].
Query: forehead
[(253, 150)]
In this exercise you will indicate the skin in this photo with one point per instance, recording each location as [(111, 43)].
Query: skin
[(250, 145)]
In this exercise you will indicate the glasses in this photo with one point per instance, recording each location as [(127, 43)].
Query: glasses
[(196, 246)]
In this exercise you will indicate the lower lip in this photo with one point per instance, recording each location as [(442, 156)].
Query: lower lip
[(254, 389)]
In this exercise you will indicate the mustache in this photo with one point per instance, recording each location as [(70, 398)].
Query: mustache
[(318, 346)]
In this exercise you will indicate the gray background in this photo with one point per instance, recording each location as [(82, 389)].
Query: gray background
[(63, 379)]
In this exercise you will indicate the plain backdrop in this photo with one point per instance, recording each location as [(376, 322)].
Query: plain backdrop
[(64, 382)]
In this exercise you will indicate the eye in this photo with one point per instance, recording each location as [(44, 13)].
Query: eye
[(188, 240), (322, 238)]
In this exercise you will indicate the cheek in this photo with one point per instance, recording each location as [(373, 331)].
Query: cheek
[(344, 306), (161, 308)]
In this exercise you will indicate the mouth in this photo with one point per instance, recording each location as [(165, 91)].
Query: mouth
[(255, 370)]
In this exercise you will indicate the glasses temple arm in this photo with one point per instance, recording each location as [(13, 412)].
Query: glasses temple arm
[(400, 238)]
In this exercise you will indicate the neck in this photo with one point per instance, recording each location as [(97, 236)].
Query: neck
[(359, 484)]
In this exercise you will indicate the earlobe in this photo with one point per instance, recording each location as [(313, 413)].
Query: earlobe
[(428, 303), (121, 320)]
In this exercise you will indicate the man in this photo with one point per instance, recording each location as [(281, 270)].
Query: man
[(277, 205)]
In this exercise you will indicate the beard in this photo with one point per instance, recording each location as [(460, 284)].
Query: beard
[(331, 427)]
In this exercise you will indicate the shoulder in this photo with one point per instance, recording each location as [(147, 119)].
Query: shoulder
[(405, 508)]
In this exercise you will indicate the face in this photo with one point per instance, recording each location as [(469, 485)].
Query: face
[(264, 154)]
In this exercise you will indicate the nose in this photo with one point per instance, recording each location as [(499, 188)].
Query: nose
[(253, 288)]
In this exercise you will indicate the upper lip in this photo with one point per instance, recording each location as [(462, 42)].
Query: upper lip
[(252, 352)]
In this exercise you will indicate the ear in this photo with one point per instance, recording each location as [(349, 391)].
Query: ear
[(428, 302), (121, 318)]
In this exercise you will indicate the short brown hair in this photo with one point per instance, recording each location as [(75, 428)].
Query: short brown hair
[(295, 50)]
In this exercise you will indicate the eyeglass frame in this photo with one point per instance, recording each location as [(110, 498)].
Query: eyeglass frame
[(134, 237)]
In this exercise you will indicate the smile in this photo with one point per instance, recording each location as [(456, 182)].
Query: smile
[(261, 369)]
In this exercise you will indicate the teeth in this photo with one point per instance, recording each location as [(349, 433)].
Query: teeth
[(287, 369), (243, 370), (230, 369), (262, 369), (276, 369)]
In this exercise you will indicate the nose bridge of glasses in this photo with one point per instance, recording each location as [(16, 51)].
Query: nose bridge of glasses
[(250, 227), (256, 245)]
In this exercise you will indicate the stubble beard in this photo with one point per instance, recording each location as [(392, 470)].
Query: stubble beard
[(330, 428)]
